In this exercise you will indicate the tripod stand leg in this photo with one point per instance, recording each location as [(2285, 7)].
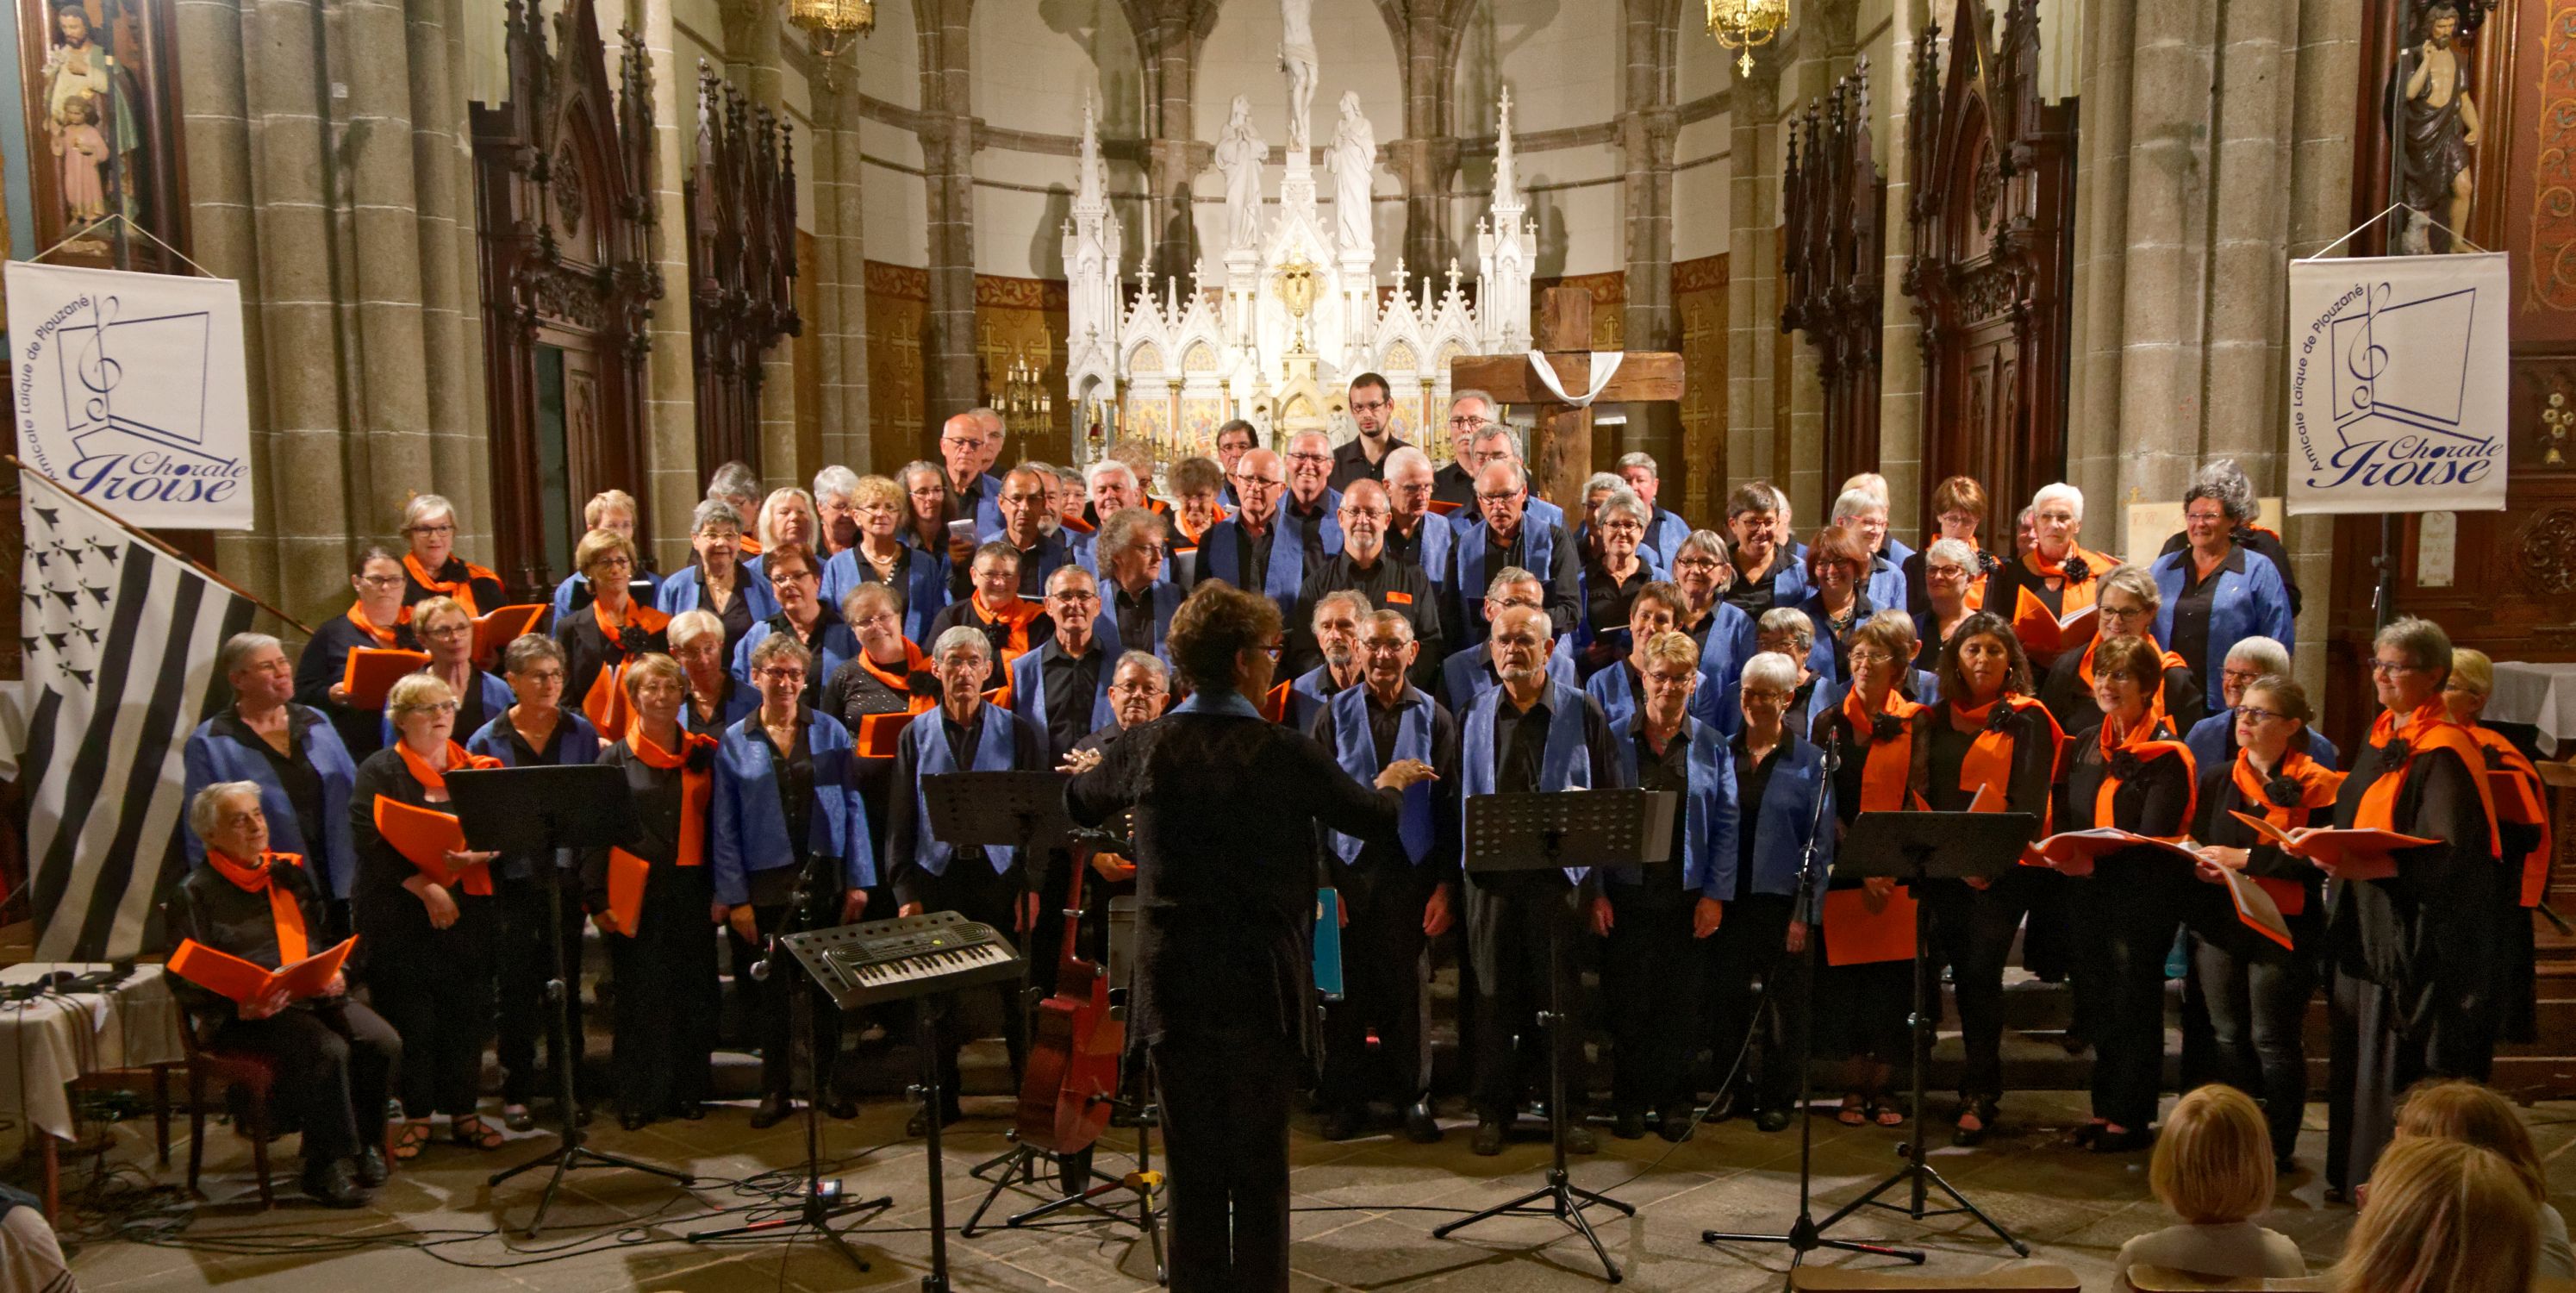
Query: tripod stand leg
[(1971, 1209), (1573, 1213), (1016, 1167)]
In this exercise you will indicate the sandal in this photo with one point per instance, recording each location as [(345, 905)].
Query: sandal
[(1852, 1114), (1886, 1113), (408, 1141), (474, 1133)]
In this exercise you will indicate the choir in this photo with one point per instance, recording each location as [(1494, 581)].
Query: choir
[(776, 702)]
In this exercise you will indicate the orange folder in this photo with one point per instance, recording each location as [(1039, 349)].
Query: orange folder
[(425, 836), (246, 981), (626, 876), (372, 672), (2075, 852), (2354, 854), (502, 625), (2255, 908), (880, 733), (1856, 936)]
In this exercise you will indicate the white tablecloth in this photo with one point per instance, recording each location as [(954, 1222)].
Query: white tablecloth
[(2543, 695), (47, 1042)]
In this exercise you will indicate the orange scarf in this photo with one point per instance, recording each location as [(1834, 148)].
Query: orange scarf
[(477, 878), (2316, 788), (1022, 613), (697, 787), (2031, 620), (283, 909), (1888, 763), (2429, 727), (2155, 702), (1990, 756), (461, 589), (2142, 744), (745, 547), (606, 702), (385, 637), (2529, 807), (900, 681)]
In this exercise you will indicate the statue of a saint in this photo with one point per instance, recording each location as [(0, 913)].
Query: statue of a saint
[(2436, 125), (1353, 164), (1297, 59), (1240, 153)]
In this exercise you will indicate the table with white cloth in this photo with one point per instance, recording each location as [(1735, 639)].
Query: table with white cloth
[(2542, 696), (52, 1041)]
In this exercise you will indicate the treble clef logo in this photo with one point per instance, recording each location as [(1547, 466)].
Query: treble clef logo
[(2365, 359), (98, 372)]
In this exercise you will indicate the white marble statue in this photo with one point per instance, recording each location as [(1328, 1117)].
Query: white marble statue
[(1353, 164), (1240, 153), (1297, 59)]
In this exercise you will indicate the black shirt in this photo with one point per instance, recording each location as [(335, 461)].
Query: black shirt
[(903, 817), (1310, 528), (1454, 484), (324, 662), (294, 769), (794, 768), (1754, 596), (1563, 588), (1752, 781), (228, 918), (1520, 743), (1351, 461), (1135, 617), (1072, 686), (1941, 749), (1252, 556), (653, 831), (2254, 540), (2191, 610), (1385, 723), (1607, 600), (1390, 585)]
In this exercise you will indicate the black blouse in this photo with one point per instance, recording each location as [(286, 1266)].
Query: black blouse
[(654, 834), (321, 666)]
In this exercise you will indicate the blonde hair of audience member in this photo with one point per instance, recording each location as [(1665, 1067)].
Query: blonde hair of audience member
[(2441, 1216), (2471, 1114), (2213, 1161)]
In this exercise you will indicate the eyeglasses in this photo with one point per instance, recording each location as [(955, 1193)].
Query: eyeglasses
[(449, 631), (961, 442), (1467, 421), (2385, 668), (1629, 528), (380, 581), (1767, 697), (1385, 646), (442, 707), (619, 562), (2241, 677), (1697, 563), (1253, 484), (449, 528), (1510, 496), (2110, 612), (2204, 518), (783, 673), (1273, 649), (1944, 572), (1312, 459), (1350, 514), (789, 576), (1075, 597), (543, 677), (1870, 659), (2259, 715)]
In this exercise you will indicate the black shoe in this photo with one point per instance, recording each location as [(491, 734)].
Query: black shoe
[(1337, 1124), (638, 1120), (371, 1168), (1420, 1126), (335, 1185), (1676, 1127), (693, 1110), (842, 1107), (2284, 1163), (1770, 1120), (1630, 1125), (1579, 1140), (1489, 1138), (517, 1118), (772, 1111)]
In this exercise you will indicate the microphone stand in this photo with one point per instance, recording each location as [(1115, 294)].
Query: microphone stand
[(1804, 1235)]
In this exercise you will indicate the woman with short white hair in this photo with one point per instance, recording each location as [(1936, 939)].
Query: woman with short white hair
[(2050, 583), (431, 567)]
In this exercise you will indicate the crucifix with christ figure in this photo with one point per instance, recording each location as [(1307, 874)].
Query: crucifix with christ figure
[(1562, 380)]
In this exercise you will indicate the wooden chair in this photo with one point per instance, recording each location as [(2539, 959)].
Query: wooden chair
[(2159, 1279), (2017, 1278), (218, 1072)]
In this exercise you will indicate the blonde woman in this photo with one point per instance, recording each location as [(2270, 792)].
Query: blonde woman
[(2442, 1216), (2213, 1168)]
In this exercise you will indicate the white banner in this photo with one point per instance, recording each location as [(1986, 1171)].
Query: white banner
[(2397, 384), (129, 390)]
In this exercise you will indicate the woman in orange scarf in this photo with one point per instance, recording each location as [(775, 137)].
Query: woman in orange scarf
[(2413, 948), (2056, 578), (2522, 828), (377, 619), (1988, 743), (425, 915), (432, 569), (2131, 771), (1863, 1006), (600, 639)]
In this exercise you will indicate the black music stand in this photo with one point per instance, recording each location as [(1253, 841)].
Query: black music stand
[(1915, 848), (1535, 832), (543, 810)]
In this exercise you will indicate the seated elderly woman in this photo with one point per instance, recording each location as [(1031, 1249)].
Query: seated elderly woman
[(333, 1057)]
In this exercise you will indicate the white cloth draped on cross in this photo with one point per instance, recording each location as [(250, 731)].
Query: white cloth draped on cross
[(1605, 365)]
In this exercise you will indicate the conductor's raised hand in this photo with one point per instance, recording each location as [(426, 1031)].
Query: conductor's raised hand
[(852, 904), (1706, 915), (1079, 761), (1404, 774), (1602, 918)]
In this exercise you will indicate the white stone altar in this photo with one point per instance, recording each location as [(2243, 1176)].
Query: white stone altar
[(1291, 310)]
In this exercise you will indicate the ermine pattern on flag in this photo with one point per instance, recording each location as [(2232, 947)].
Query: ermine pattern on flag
[(120, 643)]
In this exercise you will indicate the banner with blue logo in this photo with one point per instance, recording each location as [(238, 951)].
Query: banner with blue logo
[(2397, 384), (129, 390)]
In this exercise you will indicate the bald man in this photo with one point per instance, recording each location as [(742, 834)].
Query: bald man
[(1364, 566)]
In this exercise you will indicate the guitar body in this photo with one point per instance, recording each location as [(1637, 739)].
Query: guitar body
[(1074, 1049)]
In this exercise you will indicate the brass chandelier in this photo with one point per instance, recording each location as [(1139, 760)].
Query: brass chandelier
[(830, 24), (1743, 24)]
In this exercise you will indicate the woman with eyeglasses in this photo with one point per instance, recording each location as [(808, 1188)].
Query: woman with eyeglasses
[(426, 918), (1958, 512), (928, 505), (919, 577), (873, 692), (2216, 591), (2522, 827), (535, 732), (446, 630), (1951, 578), (796, 580), (716, 581), (1837, 566), (377, 620), (715, 699), (2411, 936), (1725, 634), (790, 852), (2055, 579), (2130, 606), (2255, 990), (1986, 737), (1608, 582), (1862, 1007), (432, 568), (1766, 574), (603, 639)]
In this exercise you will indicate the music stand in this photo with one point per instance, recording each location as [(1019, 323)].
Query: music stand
[(1541, 831), (539, 810), (1915, 848)]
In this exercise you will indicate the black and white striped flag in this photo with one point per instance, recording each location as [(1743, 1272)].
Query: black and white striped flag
[(120, 645)]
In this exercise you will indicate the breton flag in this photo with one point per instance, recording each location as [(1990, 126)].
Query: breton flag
[(120, 643)]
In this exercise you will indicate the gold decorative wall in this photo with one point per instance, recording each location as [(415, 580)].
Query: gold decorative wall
[(1699, 298), (898, 296), (1025, 318)]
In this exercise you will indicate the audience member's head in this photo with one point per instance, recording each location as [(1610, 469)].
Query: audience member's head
[(2440, 1216), (2213, 1162)]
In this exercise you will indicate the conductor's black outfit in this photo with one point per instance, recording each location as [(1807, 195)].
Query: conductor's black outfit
[(1226, 810)]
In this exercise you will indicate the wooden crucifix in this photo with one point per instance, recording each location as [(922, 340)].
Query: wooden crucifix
[(1560, 453)]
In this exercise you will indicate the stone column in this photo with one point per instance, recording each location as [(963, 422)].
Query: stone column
[(678, 479), (1753, 262), (1167, 38), (1900, 353), (451, 320), (952, 380), (2328, 63), (840, 264), (1646, 130), (2101, 235), (1426, 158), (756, 62)]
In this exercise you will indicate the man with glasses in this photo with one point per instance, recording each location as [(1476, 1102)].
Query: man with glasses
[(1531, 733), (1023, 507), (1454, 485), (1130, 554), (1509, 532), (1063, 687), (1364, 567), (1395, 896), (1416, 534), (1373, 412), (972, 491), (1472, 671), (1494, 443), (1248, 549), (1234, 439), (2212, 740), (1309, 508)]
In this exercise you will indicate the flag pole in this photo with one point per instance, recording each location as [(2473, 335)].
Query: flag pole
[(237, 590)]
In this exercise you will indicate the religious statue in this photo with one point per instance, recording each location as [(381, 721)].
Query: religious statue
[(90, 121), (1297, 59), (1240, 153), (1353, 164), (2436, 124)]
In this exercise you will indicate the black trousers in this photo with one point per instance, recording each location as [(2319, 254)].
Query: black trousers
[(1512, 922), (1225, 1093), (334, 1060), (2256, 993), (526, 960), (974, 890), (667, 996), (437, 992), (1973, 930), (1650, 982), (2136, 910), (768, 1005), (1386, 982), (1748, 951)]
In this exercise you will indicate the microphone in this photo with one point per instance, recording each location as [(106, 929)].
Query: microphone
[(760, 968), (1833, 749)]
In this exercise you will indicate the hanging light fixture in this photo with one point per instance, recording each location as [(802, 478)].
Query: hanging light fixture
[(830, 23), (1743, 24)]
